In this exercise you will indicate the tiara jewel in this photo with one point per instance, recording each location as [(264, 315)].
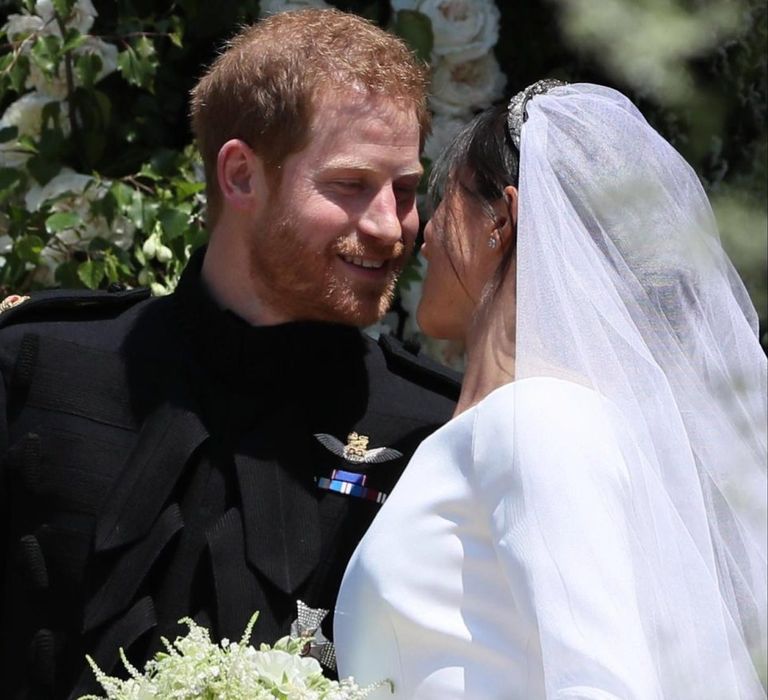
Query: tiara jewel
[(516, 115)]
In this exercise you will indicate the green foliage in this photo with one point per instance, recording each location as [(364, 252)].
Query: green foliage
[(116, 114), (416, 29)]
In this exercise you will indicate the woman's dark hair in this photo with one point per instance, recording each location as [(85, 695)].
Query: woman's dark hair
[(482, 148), (482, 161)]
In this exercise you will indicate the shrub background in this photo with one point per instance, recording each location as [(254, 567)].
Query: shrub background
[(135, 212)]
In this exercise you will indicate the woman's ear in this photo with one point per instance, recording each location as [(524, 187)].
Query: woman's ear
[(241, 176), (505, 222), (510, 199)]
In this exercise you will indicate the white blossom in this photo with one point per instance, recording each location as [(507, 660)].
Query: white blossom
[(70, 191), (20, 25), (55, 86), (26, 114), (66, 182), (463, 29), (272, 7), (460, 88), (81, 18)]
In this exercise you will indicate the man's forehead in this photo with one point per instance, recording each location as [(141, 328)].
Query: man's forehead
[(336, 111)]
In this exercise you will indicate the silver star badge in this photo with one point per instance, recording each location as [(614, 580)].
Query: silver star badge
[(307, 624)]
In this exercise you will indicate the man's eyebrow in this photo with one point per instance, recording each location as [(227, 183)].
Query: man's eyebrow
[(353, 164)]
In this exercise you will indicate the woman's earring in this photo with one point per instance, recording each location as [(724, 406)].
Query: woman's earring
[(493, 241)]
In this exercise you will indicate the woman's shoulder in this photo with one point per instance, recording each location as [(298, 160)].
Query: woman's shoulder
[(541, 402), (557, 430)]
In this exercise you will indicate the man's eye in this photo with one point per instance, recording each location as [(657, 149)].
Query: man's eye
[(405, 194), (348, 186)]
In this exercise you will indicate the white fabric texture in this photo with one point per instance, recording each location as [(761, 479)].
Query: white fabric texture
[(596, 529), (475, 561), (622, 284)]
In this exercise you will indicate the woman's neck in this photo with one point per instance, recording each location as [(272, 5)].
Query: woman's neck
[(490, 349)]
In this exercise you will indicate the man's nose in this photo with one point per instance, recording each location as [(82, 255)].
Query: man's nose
[(380, 218)]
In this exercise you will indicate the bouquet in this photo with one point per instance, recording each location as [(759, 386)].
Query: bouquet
[(195, 668)]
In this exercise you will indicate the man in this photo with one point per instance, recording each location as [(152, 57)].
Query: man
[(222, 450)]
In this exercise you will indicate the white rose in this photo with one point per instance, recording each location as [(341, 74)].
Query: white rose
[(463, 29), (105, 51), (26, 114), (272, 7), (283, 669), (66, 182), (19, 25), (444, 128), (81, 18), (460, 88), (56, 86)]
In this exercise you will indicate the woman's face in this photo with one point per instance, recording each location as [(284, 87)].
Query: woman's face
[(460, 264)]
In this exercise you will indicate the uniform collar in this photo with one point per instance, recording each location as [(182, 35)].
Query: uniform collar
[(239, 353)]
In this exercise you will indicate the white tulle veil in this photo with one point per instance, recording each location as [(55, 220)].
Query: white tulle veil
[(622, 285)]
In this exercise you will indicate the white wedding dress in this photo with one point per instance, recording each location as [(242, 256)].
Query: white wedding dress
[(478, 560), (472, 563)]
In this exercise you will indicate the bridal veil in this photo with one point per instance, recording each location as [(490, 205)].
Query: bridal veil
[(622, 285)]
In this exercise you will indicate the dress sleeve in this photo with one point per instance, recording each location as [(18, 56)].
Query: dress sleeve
[(552, 479)]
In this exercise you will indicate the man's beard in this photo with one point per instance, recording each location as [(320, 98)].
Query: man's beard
[(304, 284)]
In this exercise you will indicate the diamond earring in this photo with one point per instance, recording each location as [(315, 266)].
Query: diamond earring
[(493, 241)]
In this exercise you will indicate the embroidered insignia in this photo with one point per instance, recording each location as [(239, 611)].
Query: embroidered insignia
[(356, 450), (10, 301), (307, 624), (350, 484)]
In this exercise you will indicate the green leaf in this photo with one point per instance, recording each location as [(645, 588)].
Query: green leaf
[(66, 274), (73, 40), (28, 248), (9, 177), (138, 65), (8, 133), (186, 189), (46, 53), (43, 168), (61, 221), (63, 7), (91, 273), (19, 73), (174, 221), (87, 68), (416, 29)]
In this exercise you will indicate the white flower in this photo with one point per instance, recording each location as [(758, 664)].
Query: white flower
[(459, 88), (283, 669), (56, 86), (272, 7), (19, 25), (444, 128), (105, 51), (26, 114), (463, 29), (66, 182), (81, 18)]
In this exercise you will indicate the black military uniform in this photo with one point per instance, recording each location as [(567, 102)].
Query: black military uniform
[(160, 461)]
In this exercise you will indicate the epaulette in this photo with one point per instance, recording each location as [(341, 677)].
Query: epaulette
[(404, 359), (52, 302)]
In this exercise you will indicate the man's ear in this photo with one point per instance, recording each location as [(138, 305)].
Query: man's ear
[(241, 176)]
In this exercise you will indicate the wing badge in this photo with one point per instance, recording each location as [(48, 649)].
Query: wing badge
[(354, 452)]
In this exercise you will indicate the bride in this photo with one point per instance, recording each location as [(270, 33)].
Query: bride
[(592, 522)]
